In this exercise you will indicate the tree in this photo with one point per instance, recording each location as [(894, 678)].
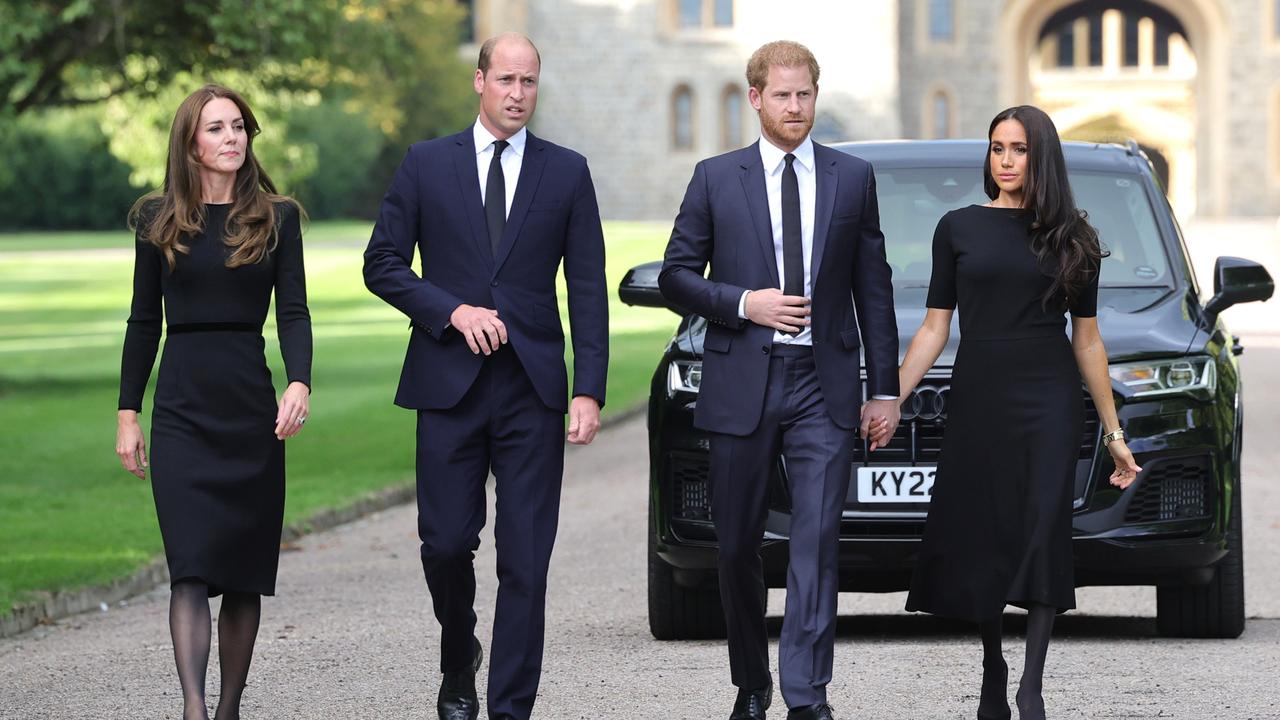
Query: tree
[(75, 52), (321, 76), (56, 53)]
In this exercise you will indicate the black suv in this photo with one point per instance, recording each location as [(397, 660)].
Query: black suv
[(1175, 378)]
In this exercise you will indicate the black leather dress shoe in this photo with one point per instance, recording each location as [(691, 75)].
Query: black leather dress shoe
[(751, 704), (457, 699), (821, 711)]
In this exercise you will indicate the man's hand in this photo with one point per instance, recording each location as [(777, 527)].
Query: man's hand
[(584, 420), (875, 410), (769, 307), (480, 326)]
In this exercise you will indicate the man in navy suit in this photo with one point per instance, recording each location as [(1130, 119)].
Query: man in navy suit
[(798, 283), (493, 211)]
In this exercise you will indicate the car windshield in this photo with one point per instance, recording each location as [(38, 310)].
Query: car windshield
[(912, 200)]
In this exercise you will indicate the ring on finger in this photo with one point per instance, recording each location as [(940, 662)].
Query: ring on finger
[(300, 419)]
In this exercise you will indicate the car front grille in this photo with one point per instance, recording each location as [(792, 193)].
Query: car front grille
[(1174, 489), (916, 441), (690, 480), (920, 440)]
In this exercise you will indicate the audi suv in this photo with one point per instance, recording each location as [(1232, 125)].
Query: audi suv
[(1175, 380)]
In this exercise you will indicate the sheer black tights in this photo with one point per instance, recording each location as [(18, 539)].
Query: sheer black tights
[(1039, 629), (994, 703), (237, 631), (190, 626)]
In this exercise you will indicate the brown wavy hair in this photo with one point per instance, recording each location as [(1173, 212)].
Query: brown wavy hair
[(167, 215), (1066, 245), (783, 53)]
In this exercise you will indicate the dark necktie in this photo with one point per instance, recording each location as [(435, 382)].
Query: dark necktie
[(495, 197), (792, 246)]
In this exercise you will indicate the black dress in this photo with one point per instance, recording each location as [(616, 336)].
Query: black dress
[(999, 524), (217, 469)]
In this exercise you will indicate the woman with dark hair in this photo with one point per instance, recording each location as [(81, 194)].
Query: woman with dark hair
[(211, 247), (999, 525)]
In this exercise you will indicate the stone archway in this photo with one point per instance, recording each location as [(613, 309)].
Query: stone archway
[(1204, 24)]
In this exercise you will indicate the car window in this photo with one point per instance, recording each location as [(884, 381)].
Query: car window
[(913, 199), (1118, 207)]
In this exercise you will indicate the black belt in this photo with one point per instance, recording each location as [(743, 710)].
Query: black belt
[(791, 351), (180, 328)]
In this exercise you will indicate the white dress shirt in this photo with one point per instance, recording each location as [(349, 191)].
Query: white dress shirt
[(774, 160), (512, 159)]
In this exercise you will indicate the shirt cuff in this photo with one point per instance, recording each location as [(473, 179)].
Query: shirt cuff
[(884, 397), (742, 305)]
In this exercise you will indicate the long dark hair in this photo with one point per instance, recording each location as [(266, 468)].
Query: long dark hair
[(169, 214), (1065, 244)]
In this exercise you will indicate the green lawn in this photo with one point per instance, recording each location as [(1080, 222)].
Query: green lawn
[(70, 516)]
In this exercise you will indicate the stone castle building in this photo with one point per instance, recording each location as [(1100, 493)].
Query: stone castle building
[(646, 88)]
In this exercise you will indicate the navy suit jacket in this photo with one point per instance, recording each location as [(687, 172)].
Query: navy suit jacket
[(724, 220), (433, 206)]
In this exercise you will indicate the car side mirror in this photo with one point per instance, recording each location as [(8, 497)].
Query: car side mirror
[(1236, 280), (640, 287)]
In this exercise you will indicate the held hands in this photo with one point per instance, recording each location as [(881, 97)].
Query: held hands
[(879, 421), (294, 406), (584, 420), (480, 326), (131, 447), (1126, 469), (769, 307)]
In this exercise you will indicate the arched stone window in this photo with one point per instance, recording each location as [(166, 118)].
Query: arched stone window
[(694, 14), (939, 113), (731, 111), (942, 20), (682, 118)]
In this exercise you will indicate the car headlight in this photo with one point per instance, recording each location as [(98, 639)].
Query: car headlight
[(684, 376), (1183, 376)]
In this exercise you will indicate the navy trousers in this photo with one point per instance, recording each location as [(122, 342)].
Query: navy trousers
[(499, 425), (817, 454)]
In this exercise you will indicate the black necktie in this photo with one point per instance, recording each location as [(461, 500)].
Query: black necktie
[(792, 246), (495, 197)]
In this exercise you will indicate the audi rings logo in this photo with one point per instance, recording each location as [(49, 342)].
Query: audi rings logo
[(926, 403)]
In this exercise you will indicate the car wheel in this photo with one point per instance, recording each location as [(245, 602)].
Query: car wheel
[(677, 612), (1215, 610)]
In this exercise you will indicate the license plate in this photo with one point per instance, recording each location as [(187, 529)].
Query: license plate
[(895, 484)]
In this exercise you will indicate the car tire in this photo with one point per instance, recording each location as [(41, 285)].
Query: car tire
[(1215, 610), (677, 612)]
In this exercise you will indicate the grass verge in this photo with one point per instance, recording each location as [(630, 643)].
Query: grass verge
[(71, 517)]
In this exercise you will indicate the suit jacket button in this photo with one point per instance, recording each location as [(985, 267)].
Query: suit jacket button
[(493, 284), (764, 349)]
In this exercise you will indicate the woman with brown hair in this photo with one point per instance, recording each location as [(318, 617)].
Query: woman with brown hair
[(999, 525), (211, 247)]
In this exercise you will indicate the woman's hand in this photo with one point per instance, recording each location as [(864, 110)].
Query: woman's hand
[(131, 447), (1126, 469), (294, 406)]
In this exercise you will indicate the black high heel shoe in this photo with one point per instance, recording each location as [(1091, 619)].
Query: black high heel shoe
[(994, 703)]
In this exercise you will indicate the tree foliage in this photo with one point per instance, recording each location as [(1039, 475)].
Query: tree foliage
[(74, 52), (58, 174), (340, 87)]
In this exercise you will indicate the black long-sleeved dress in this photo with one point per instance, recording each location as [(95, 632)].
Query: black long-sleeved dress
[(999, 524), (217, 469)]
